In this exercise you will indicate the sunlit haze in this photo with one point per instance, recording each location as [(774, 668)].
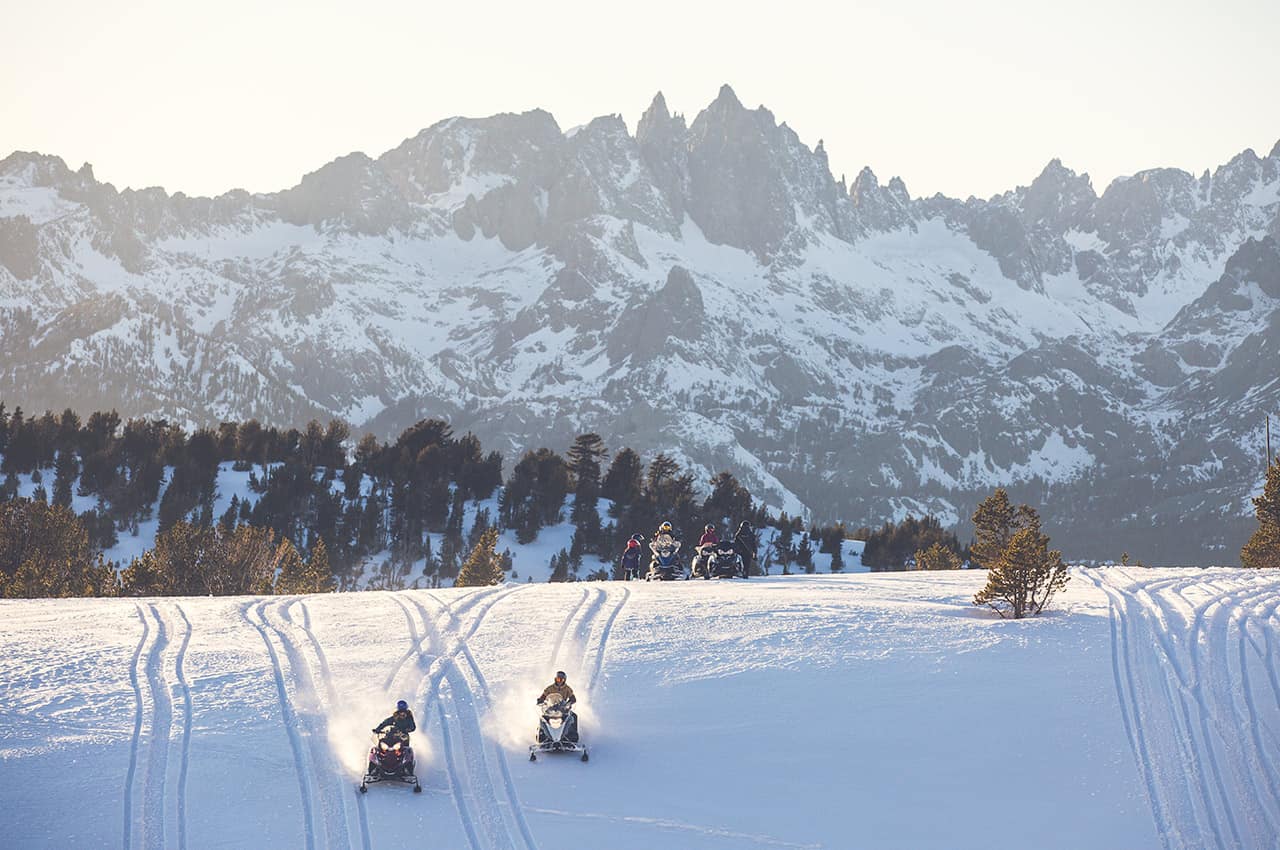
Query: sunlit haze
[(959, 98)]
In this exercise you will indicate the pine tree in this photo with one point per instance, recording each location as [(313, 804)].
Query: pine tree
[(483, 566), (937, 557), (319, 572), (1263, 548), (66, 470), (1025, 576), (995, 523), (837, 557), (292, 577)]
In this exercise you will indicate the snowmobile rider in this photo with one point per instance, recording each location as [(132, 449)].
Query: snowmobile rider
[(709, 540), (631, 560), (744, 541), (666, 529), (400, 723), (560, 689)]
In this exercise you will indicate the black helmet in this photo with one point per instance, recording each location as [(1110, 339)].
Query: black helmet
[(745, 526), (560, 676), (402, 706), (709, 528)]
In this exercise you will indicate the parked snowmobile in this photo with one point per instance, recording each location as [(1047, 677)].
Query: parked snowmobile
[(665, 565), (557, 731), (724, 562), (390, 760)]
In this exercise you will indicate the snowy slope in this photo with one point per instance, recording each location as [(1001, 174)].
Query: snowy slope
[(854, 711)]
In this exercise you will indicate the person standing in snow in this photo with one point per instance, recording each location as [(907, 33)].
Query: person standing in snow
[(631, 559), (744, 542)]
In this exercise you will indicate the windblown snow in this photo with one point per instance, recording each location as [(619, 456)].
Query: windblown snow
[(878, 710)]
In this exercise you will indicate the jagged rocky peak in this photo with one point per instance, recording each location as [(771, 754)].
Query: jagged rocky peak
[(353, 190), (525, 147), (879, 208), (1133, 209), (1058, 198)]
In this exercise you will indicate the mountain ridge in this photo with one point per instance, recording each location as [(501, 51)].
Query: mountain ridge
[(707, 288)]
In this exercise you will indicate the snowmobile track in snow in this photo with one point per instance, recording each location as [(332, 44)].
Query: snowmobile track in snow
[(448, 681), (604, 641), (290, 721), (328, 786), (136, 743), (513, 804), (153, 798), (148, 825), (179, 668), (435, 660), (1216, 786)]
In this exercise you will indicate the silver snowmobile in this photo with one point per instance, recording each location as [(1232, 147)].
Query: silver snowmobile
[(558, 731)]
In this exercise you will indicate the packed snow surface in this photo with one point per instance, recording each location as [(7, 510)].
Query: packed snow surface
[(872, 710)]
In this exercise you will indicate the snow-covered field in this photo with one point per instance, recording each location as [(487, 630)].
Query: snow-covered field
[(878, 710)]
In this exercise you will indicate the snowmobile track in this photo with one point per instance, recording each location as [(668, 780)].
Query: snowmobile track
[(514, 805), (136, 742), (1216, 786), (290, 722), (1127, 695), (179, 668), (463, 697), (564, 627), (604, 641), (153, 795), (326, 776)]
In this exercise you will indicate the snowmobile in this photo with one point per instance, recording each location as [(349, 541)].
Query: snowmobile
[(665, 565), (700, 566), (557, 731), (390, 760), (725, 562)]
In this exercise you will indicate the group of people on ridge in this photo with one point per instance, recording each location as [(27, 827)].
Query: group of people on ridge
[(744, 543)]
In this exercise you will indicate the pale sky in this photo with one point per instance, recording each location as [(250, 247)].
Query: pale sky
[(962, 97)]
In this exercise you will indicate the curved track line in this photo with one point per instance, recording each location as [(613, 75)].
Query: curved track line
[(158, 741), (327, 777), (1176, 689), (1130, 711), (326, 678), (564, 627), (604, 641), (179, 667), (439, 688), (1242, 761), (462, 696), (1193, 686), (290, 724), (1253, 717), (1223, 738), (458, 796), (136, 743)]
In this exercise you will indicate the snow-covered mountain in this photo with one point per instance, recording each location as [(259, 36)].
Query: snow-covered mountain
[(707, 288)]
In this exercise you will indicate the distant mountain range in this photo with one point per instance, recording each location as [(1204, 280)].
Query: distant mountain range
[(705, 288)]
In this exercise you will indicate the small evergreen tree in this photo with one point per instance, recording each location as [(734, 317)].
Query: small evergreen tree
[(937, 557), (1024, 578), (1263, 548), (995, 522), (484, 565)]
